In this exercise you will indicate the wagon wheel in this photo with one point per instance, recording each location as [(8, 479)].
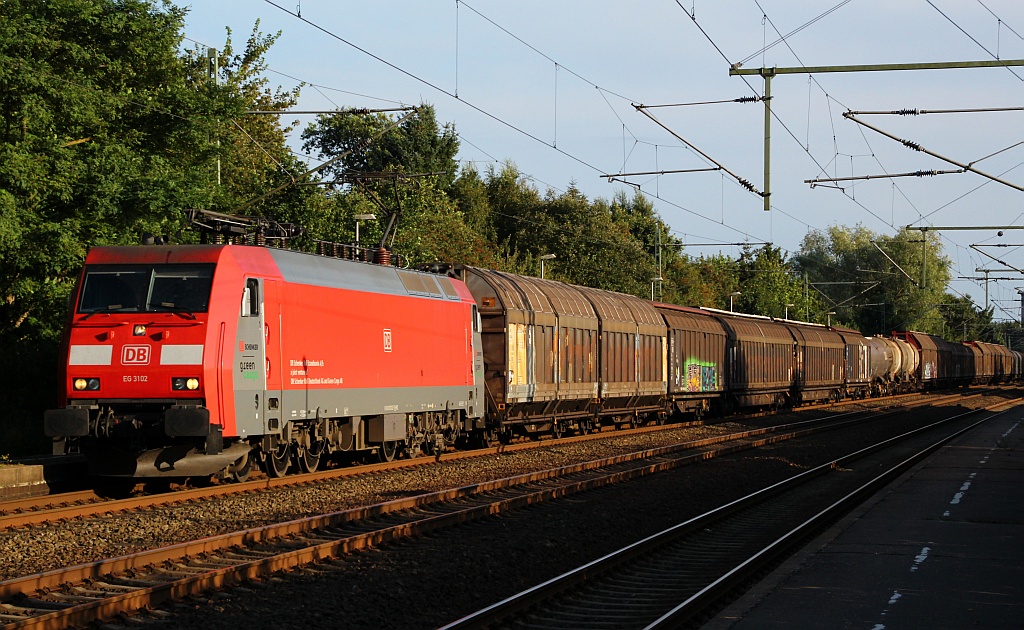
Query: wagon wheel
[(386, 451), (312, 457), (278, 460), (557, 429), (239, 471)]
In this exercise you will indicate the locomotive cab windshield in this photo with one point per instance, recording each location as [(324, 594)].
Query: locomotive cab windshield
[(146, 288)]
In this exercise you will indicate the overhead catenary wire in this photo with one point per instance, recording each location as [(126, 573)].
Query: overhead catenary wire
[(931, 173), (774, 114), (478, 108), (917, 147), (651, 185), (742, 182), (601, 91), (783, 38), (972, 38)]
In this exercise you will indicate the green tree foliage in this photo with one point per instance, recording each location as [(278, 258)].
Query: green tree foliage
[(418, 145), (253, 157), (704, 281), (382, 169), (108, 132), (469, 192), (93, 104), (770, 286), (878, 283)]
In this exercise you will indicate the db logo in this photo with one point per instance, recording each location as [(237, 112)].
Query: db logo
[(387, 340), (135, 355)]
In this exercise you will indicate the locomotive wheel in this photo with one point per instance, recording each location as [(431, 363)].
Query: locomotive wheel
[(239, 471), (312, 457), (277, 461), (386, 451)]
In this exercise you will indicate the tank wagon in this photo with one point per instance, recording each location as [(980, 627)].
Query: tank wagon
[(185, 361), (940, 363)]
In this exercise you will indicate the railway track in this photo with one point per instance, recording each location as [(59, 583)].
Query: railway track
[(51, 509), (681, 576), (78, 595)]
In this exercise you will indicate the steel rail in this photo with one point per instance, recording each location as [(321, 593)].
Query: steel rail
[(62, 507), (505, 611), (31, 511), (241, 558), (791, 539)]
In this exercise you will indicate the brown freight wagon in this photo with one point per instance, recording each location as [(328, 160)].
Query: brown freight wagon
[(821, 363), (696, 358), (631, 360), (761, 360), (540, 345), (857, 356), (999, 359), (983, 362)]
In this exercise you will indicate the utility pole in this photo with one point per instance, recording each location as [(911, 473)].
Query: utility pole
[(986, 272), (767, 190), (211, 58), (768, 73), (924, 260)]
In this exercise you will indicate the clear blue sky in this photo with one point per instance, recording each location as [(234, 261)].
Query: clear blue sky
[(549, 85)]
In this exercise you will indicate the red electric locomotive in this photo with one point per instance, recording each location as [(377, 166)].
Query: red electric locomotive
[(194, 360)]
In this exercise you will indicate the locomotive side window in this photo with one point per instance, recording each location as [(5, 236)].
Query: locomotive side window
[(251, 298), (152, 288)]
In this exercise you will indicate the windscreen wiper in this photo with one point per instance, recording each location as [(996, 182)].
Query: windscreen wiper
[(174, 308), (112, 308)]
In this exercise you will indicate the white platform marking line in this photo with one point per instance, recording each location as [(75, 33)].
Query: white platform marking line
[(921, 557)]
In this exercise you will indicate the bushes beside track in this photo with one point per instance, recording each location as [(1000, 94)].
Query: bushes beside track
[(29, 376)]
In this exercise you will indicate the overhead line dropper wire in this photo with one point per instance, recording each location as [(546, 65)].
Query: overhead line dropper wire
[(467, 103), (434, 86)]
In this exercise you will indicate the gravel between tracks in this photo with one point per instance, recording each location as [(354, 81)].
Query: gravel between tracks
[(415, 575), (43, 548), (433, 580)]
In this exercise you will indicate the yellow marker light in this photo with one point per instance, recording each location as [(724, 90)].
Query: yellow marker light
[(192, 383), (80, 384)]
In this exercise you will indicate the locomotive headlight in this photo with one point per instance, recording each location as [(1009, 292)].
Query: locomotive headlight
[(139, 330), (91, 384), (182, 383)]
